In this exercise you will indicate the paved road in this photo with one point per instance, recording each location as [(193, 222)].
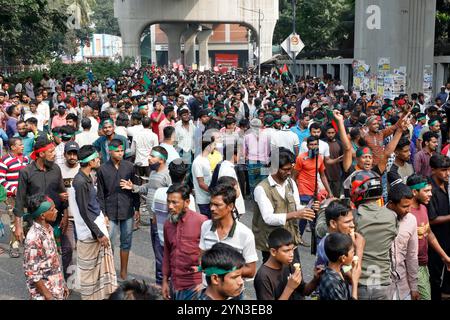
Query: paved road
[(141, 264)]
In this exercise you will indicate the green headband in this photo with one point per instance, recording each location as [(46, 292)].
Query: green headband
[(214, 270), (363, 151), (432, 123), (276, 109), (387, 109), (159, 155), (56, 134), (91, 157), (277, 121), (44, 207), (113, 148), (418, 186), (106, 121), (421, 118), (142, 107)]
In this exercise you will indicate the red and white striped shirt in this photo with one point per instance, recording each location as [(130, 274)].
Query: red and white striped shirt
[(10, 167)]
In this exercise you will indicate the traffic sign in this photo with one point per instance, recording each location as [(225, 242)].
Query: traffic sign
[(293, 45)]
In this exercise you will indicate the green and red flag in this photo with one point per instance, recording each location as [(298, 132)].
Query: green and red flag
[(332, 119), (147, 81)]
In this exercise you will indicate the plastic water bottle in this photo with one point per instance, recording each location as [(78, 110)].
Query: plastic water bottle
[(2, 229)]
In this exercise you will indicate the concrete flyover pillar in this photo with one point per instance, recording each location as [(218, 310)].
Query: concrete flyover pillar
[(131, 37), (203, 40), (190, 35), (174, 32), (402, 30)]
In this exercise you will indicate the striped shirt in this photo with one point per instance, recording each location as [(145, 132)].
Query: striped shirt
[(9, 172)]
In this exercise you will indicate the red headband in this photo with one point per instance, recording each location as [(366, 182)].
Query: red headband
[(34, 154)]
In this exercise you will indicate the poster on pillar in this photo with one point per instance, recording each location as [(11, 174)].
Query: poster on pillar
[(389, 87), (399, 81), (361, 76), (428, 83)]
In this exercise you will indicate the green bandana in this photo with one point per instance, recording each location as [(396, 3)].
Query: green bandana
[(159, 155), (421, 118), (91, 157), (418, 186), (113, 148), (214, 270), (106, 121), (44, 207), (432, 123)]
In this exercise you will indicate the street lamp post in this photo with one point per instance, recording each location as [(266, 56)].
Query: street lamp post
[(294, 69), (259, 36)]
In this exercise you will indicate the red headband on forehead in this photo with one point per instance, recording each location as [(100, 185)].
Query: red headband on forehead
[(34, 154)]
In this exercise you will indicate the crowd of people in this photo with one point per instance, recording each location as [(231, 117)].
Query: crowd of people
[(83, 158)]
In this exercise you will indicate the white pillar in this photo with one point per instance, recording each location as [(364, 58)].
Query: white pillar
[(153, 43), (173, 32), (203, 39), (190, 36), (343, 75)]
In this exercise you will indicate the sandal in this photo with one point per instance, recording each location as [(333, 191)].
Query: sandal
[(14, 253), (2, 251)]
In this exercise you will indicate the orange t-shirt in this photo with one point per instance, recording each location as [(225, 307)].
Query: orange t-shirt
[(306, 168)]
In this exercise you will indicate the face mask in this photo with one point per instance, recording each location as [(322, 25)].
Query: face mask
[(155, 166)]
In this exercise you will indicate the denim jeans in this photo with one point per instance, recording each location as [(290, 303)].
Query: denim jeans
[(158, 251), (304, 199), (254, 175), (126, 233), (187, 294)]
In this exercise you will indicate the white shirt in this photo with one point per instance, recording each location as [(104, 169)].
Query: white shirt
[(184, 137), (40, 119), (286, 139), (59, 150), (266, 207), (143, 142), (133, 129), (172, 153), (86, 138), (305, 104), (68, 174), (94, 125), (44, 110), (201, 168), (242, 240), (120, 130), (227, 170), (324, 148)]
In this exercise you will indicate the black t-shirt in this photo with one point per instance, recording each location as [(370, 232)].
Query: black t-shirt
[(439, 206), (270, 283)]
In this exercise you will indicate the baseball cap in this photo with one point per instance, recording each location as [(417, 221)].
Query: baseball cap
[(71, 146)]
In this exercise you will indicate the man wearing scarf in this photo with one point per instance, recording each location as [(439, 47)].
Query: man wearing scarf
[(94, 254), (41, 176)]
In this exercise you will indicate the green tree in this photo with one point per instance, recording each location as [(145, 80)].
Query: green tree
[(442, 28), (323, 25), (27, 28), (103, 18), (71, 44)]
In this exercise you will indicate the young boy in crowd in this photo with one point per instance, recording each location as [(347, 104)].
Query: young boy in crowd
[(222, 266), (340, 252), (278, 279)]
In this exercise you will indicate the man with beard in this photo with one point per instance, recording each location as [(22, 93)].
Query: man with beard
[(41, 176), (439, 216), (102, 143), (334, 171), (375, 137), (182, 223), (69, 169), (26, 137)]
